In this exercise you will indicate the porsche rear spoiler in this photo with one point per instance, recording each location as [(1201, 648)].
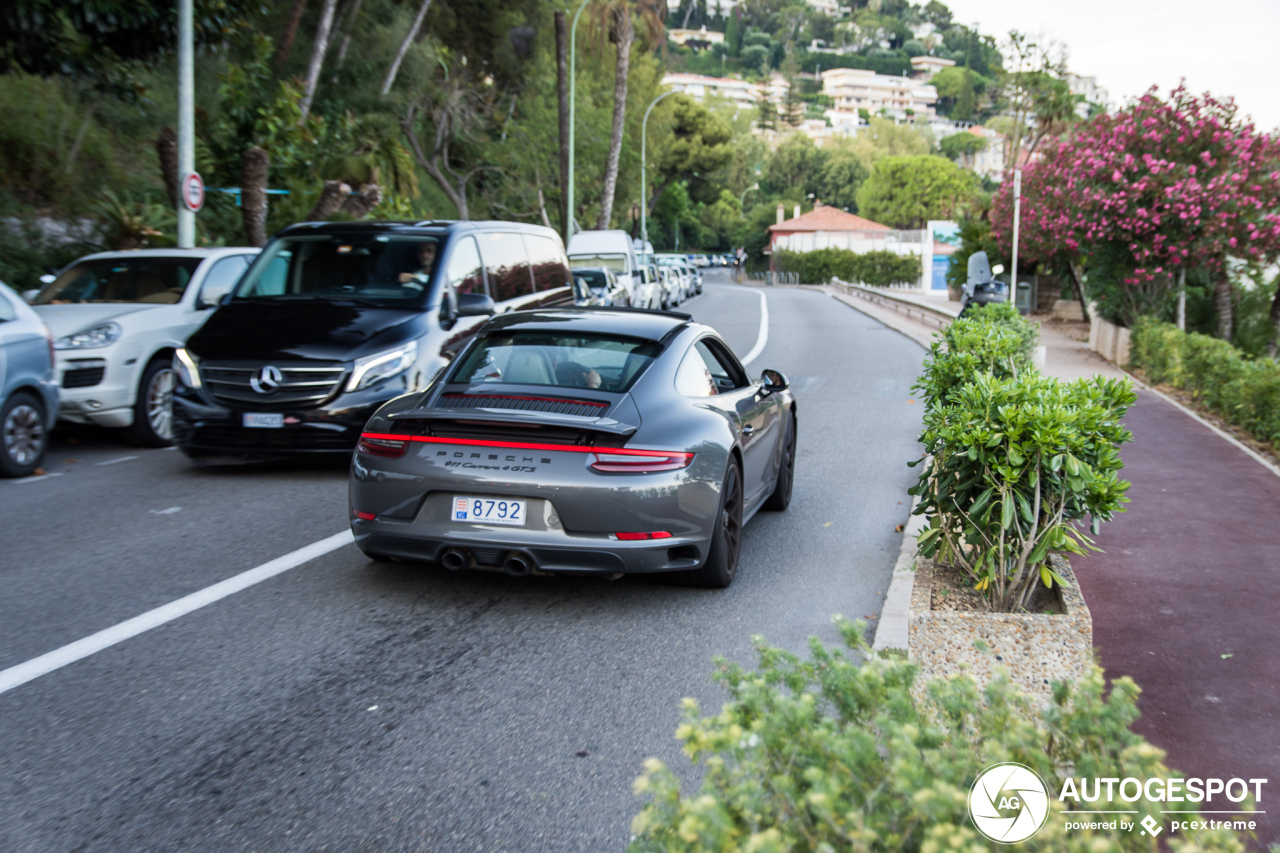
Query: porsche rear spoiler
[(498, 417)]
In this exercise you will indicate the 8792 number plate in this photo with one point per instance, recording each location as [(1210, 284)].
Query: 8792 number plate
[(488, 511)]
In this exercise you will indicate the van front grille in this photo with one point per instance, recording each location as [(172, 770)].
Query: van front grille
[(272, 385)]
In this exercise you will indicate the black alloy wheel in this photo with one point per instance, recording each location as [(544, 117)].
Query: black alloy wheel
[(721, 566), (781, 497)]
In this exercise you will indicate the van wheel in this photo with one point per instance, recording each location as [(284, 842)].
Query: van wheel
[(153, 410)]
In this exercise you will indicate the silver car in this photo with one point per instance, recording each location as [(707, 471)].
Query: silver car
[(579, 441), (28, 389)]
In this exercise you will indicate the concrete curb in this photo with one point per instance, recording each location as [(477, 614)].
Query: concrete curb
[(891, 631)]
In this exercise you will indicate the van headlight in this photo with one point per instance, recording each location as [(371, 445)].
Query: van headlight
[(187, 365), (101, 335), (374, 368)]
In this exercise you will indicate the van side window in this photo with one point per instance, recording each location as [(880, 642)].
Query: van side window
[(550, 264), (464, 272), (507, 265)]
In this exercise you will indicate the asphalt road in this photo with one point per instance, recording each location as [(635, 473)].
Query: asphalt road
[(345, 705)]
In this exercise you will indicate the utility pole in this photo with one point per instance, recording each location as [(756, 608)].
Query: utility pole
[(1017, 215), (644, 187), (573, 93), (186, 122)]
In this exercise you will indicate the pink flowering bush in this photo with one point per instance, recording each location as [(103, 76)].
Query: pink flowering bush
[(1167, 185)]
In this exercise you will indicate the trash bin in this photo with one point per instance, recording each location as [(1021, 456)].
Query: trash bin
[(1022, 301)]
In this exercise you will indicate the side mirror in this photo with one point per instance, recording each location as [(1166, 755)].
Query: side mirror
[(997, 269), (475, 305), (772, 380), (212, 297)]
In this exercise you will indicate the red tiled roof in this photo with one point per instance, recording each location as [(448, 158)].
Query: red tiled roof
[(827, 218)]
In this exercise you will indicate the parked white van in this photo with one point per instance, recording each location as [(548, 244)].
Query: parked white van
[(613, 250)]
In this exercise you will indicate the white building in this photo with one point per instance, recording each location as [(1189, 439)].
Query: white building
[(830, 8), (697, 86), (683, 37), (900, 98), (924, 67), (1087, 88)]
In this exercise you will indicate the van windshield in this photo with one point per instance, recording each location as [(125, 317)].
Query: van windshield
[(384, 269), (615, 262)]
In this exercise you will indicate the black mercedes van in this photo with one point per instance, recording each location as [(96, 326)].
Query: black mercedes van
[(334, 319)]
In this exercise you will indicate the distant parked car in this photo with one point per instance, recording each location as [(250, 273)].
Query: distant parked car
[(28, 386), (118, 317), (613, 250), (603, 286)]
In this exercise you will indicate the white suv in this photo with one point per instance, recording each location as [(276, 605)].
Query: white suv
[(116, 319)]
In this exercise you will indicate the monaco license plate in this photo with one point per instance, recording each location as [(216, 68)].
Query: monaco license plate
[(488, 510), (267, 420)]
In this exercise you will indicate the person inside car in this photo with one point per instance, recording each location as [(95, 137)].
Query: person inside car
[(426, 260)]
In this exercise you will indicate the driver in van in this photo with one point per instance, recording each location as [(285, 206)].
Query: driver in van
[(426, 260)]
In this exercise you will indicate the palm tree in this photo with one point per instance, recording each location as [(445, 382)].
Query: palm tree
[(614, 18)]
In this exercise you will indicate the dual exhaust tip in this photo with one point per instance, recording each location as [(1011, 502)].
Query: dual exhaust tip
[(516, 564)]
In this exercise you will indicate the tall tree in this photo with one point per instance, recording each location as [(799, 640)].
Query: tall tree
[(906, 192), (318, 50), (622, 34), (409, 36), (285, 45)]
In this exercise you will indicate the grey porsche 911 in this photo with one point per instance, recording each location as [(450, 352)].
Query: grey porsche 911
[(578, 441)]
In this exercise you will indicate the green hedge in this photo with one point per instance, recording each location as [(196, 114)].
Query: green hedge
[(848, 752), (879, 268), (1243, 391), (994, 339)]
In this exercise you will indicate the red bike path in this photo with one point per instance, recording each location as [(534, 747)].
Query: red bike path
[(1185, 600)]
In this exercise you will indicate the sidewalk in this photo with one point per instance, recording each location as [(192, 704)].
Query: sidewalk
[(1185, 597)]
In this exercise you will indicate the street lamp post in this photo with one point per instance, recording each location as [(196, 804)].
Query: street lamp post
[(644, 145), (743, 198), (573, 91), (1017, 215)]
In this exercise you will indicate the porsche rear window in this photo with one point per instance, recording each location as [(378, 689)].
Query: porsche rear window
[(557, 360)]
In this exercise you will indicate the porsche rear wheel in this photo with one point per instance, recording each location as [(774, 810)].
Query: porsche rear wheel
[(781, 497), (721, 566)]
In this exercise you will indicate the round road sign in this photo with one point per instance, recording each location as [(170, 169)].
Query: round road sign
[(192, 191)]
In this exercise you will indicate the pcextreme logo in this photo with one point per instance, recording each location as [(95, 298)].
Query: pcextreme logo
[(1009, 803)]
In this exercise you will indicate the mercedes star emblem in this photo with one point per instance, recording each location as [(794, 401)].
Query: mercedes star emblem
[(268, 379)]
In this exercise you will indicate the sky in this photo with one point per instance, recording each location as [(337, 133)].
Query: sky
[(1225, 47)]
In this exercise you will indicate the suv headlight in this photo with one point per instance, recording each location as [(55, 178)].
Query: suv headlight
[(101, 335), (187, 366), (375, 368)]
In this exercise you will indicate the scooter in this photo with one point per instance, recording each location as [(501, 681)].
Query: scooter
[(982, 287)]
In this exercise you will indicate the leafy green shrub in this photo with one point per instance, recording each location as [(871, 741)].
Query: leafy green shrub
[(877, 268), (1012, 466), (995, 340), (831, 754), (1244, 392)]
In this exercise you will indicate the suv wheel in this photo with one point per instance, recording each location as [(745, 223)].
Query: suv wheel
[(153, 410)]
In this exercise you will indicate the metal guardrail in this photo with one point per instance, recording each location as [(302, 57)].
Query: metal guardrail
[(888, 300), (774, 277)]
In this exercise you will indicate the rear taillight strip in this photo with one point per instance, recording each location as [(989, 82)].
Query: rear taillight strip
[(528, 445)]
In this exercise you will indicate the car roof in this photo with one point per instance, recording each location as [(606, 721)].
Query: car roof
[(171, 253), (629, 322), (427, 226)]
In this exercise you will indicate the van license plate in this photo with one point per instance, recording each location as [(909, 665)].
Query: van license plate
[(268, 420), (488, 511)]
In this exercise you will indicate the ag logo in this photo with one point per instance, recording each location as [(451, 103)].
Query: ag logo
[(1009, 803)]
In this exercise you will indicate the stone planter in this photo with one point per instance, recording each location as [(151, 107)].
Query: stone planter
[(1109, 340), (1037, 649)]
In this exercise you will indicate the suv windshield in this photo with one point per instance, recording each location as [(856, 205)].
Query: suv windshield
[(391, 270), (595, 279), (152, 280), (560, 360)]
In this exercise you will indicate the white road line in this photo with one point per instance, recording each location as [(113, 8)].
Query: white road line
[(35, 478), (117, 459), (20, 674), (763, 337)]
